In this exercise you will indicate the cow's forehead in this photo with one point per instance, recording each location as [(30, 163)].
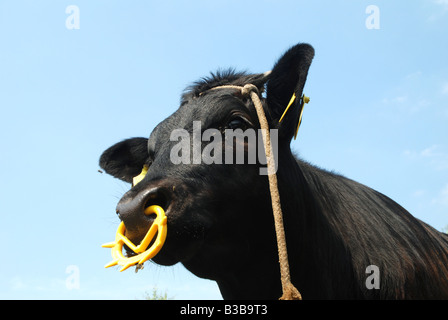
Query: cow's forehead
[(182, 118), (205, 109)]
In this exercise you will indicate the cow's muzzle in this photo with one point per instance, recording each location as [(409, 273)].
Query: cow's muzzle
[(131, 210), (147, 248), (143, 217)]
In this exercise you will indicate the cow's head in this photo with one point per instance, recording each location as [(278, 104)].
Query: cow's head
[(219, 214)]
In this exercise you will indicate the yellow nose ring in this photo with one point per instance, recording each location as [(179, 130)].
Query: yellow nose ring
[(143, 252)]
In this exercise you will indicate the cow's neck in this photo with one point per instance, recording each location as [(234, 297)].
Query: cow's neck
[(257, 276), (252, 282)]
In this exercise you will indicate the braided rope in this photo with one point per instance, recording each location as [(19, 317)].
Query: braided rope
[(289, 291)]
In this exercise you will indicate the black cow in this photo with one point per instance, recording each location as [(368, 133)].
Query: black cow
[(341, 236)]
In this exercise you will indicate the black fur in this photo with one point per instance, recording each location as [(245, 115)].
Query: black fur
[(220, 223)]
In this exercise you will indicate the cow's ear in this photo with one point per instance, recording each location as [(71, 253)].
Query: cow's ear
[(286, 80), (125, 159)]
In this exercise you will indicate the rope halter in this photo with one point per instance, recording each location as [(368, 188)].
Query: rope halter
[(289, 291)]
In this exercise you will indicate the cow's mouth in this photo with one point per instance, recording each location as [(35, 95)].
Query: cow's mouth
[(136, 239)]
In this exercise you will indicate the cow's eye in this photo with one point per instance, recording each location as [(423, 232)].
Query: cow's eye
[(237, 123)]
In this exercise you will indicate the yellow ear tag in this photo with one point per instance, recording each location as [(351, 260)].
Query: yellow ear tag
[(140, 177), (305, 99), (143, 253), (287, 107)]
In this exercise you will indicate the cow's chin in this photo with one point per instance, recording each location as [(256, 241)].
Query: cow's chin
[(178, 247), (175, 250)]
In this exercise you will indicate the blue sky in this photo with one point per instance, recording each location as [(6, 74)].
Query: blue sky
[(378, 114)]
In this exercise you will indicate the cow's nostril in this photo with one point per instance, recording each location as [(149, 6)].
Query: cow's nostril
[(158, 197), (131, 210)]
